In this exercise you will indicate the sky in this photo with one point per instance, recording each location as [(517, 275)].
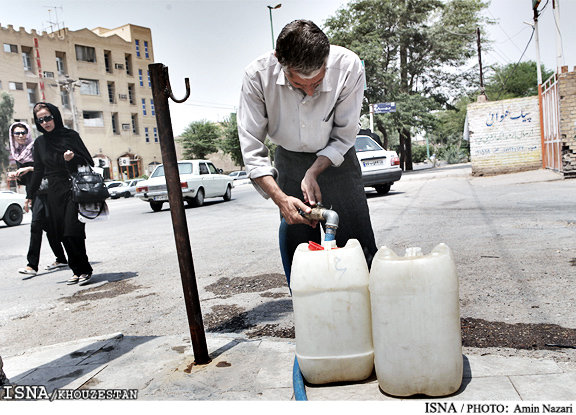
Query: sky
[(211, 41)]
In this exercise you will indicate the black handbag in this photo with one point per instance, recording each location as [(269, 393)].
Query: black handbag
[(88, 186)]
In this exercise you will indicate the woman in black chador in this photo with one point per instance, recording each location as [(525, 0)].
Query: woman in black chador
[(57, 154)]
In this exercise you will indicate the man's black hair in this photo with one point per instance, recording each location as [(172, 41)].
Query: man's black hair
[(302, 47)]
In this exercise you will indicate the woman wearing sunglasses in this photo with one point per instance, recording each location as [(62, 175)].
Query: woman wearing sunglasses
[(57, 153), (21, 146)]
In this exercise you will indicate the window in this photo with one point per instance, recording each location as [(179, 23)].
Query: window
[(27, 58), (93, 118), (65, 98), (111, 93), (32, 94), (108, 61), (9, 48), (85, 53), (131, 94), (155, 135), (146, 134), (146, 49), (212, 168), (203, 168), (137, 42), (149, 80), (16, 86), (114, 123), (152, 107), (143, 106), (128, 62), (89, 87), (0, 84), (135, 123), (140, 77), (61, 63)]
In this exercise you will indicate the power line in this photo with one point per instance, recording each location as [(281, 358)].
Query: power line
[(516, 64)]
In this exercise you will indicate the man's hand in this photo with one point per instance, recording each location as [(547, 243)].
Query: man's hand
[(309, 184), (289, 206), (27, 205)]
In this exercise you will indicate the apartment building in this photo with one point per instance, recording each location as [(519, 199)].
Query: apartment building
[(99, 79)]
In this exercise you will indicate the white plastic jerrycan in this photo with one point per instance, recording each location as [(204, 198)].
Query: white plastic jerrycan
[(416, 322), (332, 313)]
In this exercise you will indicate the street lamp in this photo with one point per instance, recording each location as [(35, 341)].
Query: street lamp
[(270, 8)]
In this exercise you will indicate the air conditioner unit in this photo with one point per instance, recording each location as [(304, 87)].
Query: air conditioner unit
[(126, 127), (48, 74), (124, 161), (123, 96), (118, 66)]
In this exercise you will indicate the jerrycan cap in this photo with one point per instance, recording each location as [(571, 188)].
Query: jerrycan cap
[(313, 246)]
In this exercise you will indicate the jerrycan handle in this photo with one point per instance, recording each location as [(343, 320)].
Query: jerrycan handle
[(313, 246)]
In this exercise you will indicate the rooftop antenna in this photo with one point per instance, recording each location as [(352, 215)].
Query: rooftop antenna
[(56, 22)]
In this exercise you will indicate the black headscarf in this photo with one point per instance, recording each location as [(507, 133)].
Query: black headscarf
[(62, 139)]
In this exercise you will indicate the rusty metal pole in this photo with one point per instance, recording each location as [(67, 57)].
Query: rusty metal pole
[(161, 91)]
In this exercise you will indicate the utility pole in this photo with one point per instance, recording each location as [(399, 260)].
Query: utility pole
[(535, 4), (559, 56), (482, 97)]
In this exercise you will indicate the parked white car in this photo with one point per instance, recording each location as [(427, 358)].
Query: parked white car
[(199, 179), (380, 168), (126, 189), (11, 207)]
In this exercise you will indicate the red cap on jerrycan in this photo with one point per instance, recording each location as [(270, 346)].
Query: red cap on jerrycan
[(313, 246)]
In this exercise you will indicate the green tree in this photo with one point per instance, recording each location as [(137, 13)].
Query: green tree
[(411, 50), (515, 80), (200, 139), (6, 113), (230, 143)]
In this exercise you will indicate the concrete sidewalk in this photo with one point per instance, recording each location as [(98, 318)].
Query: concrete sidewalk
[(161, 368)]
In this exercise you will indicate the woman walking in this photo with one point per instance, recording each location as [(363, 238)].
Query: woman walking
[(21, 147), (58, 153)]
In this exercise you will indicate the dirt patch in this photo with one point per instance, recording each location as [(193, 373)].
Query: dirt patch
[(482, 334), (227, 287), (109, 290), (272, 330), (227, 318)]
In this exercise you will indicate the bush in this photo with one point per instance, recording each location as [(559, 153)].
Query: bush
[(454, 155), (419, 154)]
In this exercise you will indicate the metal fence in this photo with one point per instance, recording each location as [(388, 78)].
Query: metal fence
[(552, 151)]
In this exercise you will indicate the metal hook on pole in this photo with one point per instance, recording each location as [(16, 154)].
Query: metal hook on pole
[(171, 95)]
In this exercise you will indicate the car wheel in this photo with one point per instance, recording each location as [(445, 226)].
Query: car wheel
[(156, 206), (13, 215), (127, 195), (199, 198), (228, 195), (382, 189)]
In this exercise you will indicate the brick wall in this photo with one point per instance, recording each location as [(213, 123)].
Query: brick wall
[(504, 136), (567, 100)]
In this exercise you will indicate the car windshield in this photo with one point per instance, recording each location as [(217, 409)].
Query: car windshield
[(183, 168), (364, 143)]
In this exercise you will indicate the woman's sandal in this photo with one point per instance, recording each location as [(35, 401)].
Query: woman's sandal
[(84, 278), (73, 280)]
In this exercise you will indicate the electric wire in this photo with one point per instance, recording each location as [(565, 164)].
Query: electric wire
[(516, 64)]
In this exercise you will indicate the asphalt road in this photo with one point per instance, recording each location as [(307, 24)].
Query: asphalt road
[(513, 238)]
